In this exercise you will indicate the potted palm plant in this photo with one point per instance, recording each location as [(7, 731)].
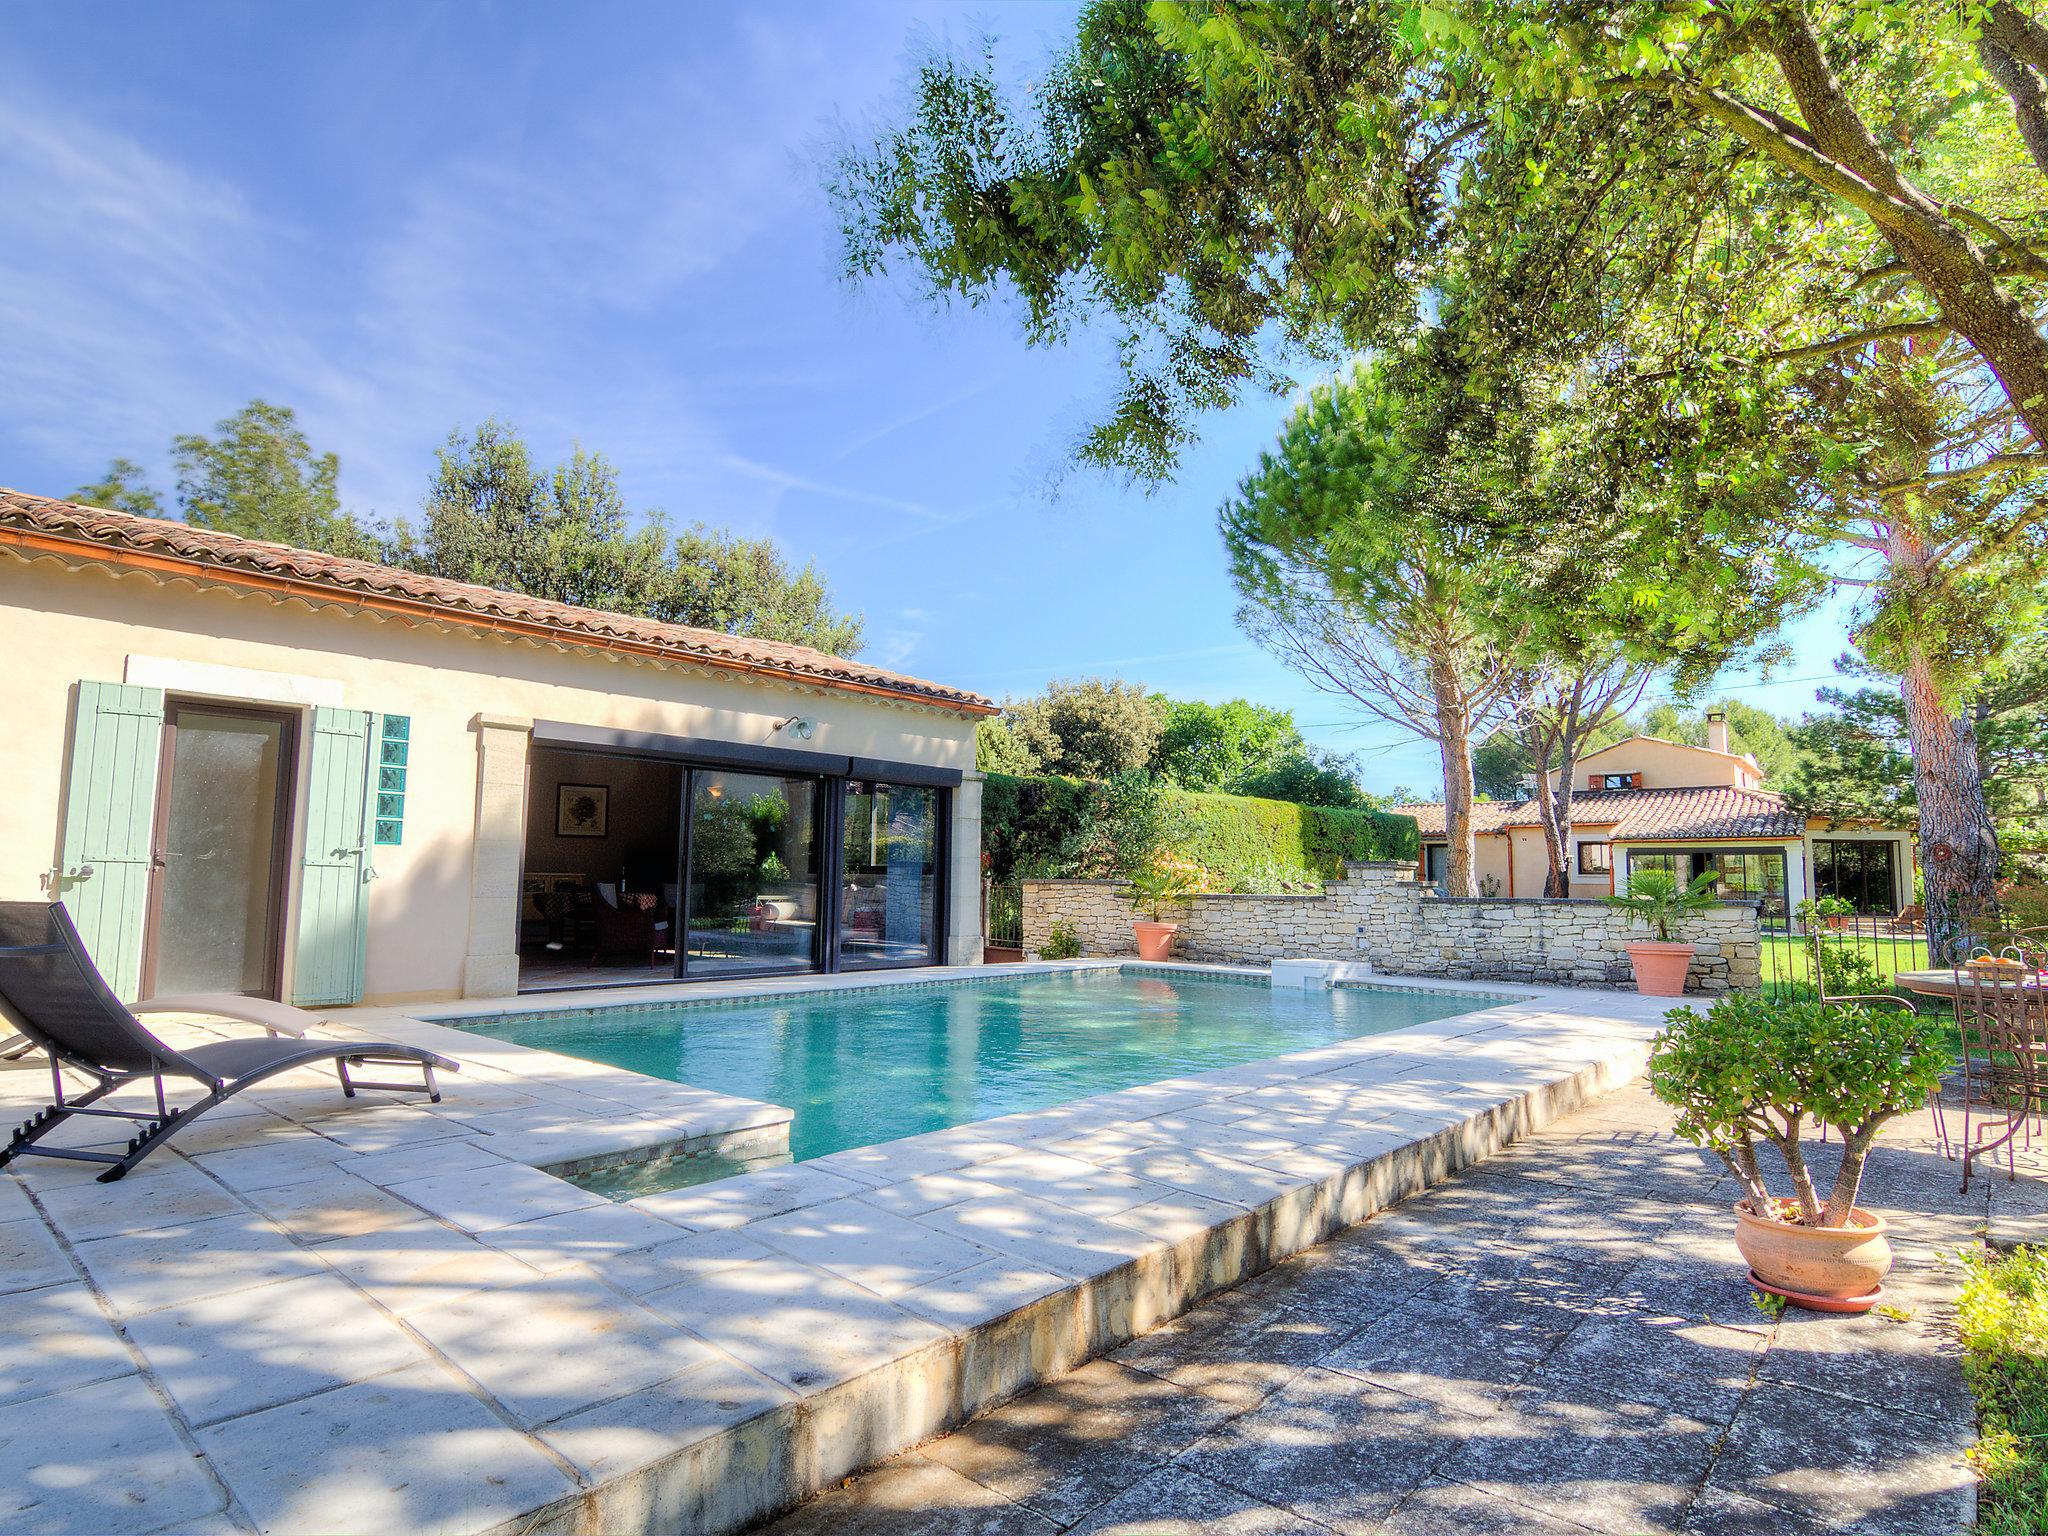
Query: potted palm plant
[(1158, 889), (1657, 901), (1751, 1069)]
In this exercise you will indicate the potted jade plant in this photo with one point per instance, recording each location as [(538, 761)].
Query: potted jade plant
[(1656, 900), (1753, 1070), (1156, 890)]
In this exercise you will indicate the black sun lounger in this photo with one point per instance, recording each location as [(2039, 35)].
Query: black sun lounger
[(53, 994)]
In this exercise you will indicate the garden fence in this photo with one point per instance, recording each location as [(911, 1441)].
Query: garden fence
[(1865, 951)]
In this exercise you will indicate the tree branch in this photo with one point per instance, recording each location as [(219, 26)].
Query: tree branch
[(1987, 466)]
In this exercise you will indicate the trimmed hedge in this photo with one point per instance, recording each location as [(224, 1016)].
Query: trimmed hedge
[(1044, 826), (1229, 834)]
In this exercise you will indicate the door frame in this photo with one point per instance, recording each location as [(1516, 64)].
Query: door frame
[(824, 825), (1896, 866), (283, 835)]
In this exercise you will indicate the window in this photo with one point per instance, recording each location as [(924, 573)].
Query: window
[(1595, 858), (1435, 860), (1614, 781), (1668, 862), (1750, 874)]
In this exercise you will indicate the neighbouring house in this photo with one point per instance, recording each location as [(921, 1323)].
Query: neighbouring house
[(257, 769), (1651, 803)]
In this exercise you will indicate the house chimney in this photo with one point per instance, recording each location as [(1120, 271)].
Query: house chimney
[(1717, 730)]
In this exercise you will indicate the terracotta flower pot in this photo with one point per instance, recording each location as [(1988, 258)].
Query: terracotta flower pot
[(1841, 1264), (1660, 967), (1155, 940)]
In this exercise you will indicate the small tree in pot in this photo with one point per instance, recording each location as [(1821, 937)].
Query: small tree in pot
[(1752, 1070), (1156, 890), (1656, 900)]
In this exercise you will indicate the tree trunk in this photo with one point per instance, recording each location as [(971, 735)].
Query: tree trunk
[(1555, 880), (1454, 736), (1958, 844), (1741, 1161), (1842, 1198), (1557, 820)]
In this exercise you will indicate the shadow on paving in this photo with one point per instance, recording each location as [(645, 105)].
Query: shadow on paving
[(1561, 1339)]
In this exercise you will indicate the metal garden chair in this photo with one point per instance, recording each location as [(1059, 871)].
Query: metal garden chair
[(2001, 1000)]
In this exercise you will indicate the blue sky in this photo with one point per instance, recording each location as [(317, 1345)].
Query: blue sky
[(603, 223)]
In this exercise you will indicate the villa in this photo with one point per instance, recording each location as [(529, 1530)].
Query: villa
[(255, 769), (1651, 803), (682, 1257)]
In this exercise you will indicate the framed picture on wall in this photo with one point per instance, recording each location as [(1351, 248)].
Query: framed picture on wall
[(581, 810)]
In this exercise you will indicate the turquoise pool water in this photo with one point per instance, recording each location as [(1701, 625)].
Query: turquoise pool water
[(878, 1063)]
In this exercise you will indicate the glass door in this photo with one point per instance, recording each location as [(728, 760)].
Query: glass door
[(888, 876), (1862, 872), (753, 857), (218, 863)]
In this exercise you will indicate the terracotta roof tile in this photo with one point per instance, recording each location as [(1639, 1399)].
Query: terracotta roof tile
[(1711, 812), (311, 573)]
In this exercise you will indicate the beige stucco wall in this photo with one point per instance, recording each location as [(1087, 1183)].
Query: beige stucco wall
[(1490, 861), (1665, 765), (60, 624)]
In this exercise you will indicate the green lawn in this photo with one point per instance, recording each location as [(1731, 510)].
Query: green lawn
[(2003, 1315), (1788, 962)]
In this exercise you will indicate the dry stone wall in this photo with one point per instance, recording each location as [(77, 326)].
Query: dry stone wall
[(1381, 913)]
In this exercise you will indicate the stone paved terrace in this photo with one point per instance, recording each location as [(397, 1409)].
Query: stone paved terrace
[(319, 1315), (1555, 1342)]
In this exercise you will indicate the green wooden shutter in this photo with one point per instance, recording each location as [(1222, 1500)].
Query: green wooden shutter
[(117, 732), (334, 898)]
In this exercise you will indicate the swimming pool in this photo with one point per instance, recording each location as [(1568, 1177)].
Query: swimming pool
[(873, 1064)]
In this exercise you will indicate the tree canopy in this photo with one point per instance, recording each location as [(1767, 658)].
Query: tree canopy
[(123, 488), (1087, 728), (1219, 746), (493, 516)]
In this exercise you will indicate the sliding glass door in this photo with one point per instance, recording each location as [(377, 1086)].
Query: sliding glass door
[(888, 875), (753, 855), (1862, 872), (644, 867)]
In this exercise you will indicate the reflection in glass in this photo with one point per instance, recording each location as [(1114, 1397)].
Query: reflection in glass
[(888, 905), (215, 929), (753, 900), (1754, 875)]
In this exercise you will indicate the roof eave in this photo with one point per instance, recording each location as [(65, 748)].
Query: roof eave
[(339, 594)]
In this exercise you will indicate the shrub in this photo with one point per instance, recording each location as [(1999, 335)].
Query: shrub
[(1061, 942), (1845, 969), (1269, 878), (2002, 1316), (1047, 828), (1232, 835), (1752, 1067)]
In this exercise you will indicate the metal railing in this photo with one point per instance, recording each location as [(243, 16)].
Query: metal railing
[(1863, 952), (1002, 914)]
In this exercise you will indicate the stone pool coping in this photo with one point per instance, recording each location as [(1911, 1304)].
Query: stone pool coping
[(408, 1326)]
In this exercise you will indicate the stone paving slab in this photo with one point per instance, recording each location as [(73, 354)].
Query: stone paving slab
[(274, 1319), (1558, 1341)]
